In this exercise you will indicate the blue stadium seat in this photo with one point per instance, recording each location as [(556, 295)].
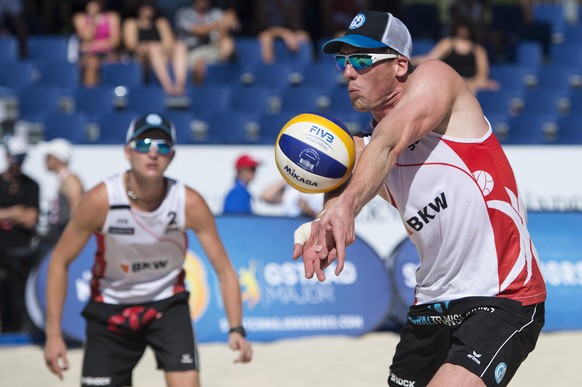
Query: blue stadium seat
[(183, 121), (248, 51), (113, 127), (222, 74), (126, 74), (570, 129), (559, 76), (17, 75), (297, 60), (503, 101), (529, 55), (274, 76), (302, 99), (323, 75), (58, 73), (510, 76), (8, 48), (546, 100), (422, 46), (208, 99), (554, 15), (566, 54), (69, 126), (93, 101), (233, 128), (576, 101), (255, 100), (531, 129), (146, 99), (499, 124), (47, 47), (38, 102)]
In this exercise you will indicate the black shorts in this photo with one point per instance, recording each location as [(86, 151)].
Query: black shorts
[(488, 336), (117, 336)]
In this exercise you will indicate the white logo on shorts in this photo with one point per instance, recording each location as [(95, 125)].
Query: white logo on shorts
[(186, 359), (96, 381)]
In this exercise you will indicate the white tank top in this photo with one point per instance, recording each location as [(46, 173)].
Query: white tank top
[(140, 254), (461, 206)]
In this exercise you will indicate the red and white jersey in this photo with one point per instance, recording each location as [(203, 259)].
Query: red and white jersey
[(140, 254), (459, 201)]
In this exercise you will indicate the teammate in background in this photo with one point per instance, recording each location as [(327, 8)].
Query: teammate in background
[(57, 157), (429, 151), (140, 216), (294, 203), (239, 200)]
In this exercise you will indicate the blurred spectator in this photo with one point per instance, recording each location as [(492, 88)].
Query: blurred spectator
[(336, 15), (280, 19), (57, 157), (99, 33), (465, 55), (19, 209), (294, 203), (208, 34), (150, 40), (473, 11), (239, 199), (12, 22)]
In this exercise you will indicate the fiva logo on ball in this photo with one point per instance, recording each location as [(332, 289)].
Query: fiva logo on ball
[(315, 153)]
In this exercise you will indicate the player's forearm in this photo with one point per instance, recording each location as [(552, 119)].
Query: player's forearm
[(56, 290), (231, 296), (369, 175)]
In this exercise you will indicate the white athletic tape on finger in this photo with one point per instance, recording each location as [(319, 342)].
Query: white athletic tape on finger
[(302, 233)]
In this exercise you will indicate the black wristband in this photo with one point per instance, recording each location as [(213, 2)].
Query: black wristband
[(240, 330)]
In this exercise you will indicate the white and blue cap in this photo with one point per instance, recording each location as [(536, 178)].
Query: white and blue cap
[(150, 121), (374, 29)]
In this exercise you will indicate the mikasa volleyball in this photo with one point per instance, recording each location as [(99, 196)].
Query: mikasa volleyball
[(315, 153)]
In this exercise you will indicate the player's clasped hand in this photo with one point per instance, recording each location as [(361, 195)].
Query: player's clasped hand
[(323, 240)]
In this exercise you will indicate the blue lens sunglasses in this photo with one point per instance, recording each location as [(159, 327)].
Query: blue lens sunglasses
[(163, 147), (360, 61)]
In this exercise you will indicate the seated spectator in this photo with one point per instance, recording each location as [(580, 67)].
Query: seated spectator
[(465, 55), (238, 199), (150, 40), (294, 203), (280, 19), (207, 31), (99, 33)]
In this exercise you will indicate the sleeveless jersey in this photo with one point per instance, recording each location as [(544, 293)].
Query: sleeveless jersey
[(459, 201), (140, 254)]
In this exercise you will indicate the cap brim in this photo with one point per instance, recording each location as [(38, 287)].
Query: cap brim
[(334, 45)]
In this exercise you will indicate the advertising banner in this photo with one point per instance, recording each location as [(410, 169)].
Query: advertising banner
[(278, 301)]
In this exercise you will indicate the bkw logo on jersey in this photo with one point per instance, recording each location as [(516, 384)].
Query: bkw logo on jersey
[(137, 267), (428, 212)]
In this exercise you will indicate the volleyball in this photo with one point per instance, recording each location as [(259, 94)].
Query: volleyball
[(315, 153)]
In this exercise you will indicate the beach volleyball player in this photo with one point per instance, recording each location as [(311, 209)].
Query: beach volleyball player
[(431, 153), (138, 296)]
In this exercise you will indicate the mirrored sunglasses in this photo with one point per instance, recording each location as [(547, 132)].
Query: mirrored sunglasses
[(163, 147), (360, 61)]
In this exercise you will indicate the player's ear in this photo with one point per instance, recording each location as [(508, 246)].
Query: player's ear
[(126, 152)]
